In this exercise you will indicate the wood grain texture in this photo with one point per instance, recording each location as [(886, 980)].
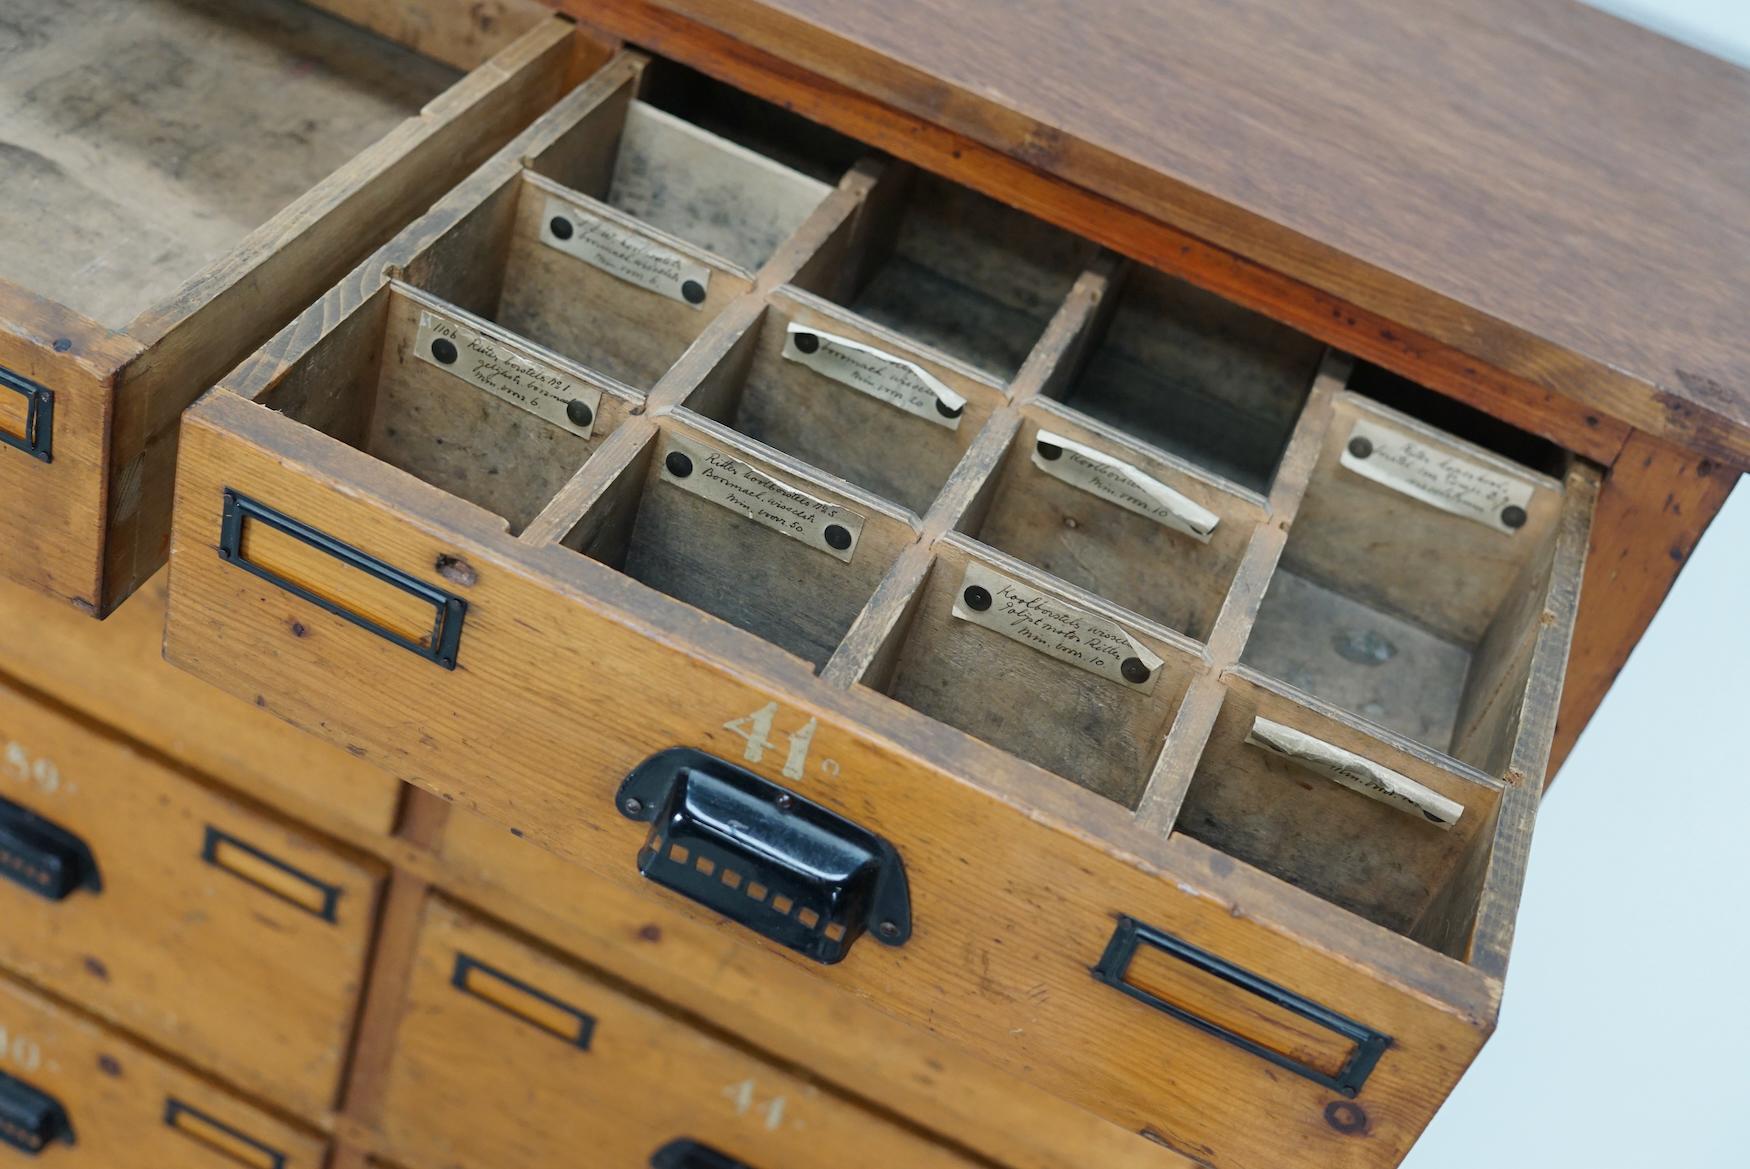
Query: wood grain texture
[(1542, 189)]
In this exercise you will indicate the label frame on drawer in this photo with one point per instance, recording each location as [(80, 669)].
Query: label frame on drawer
[(449, 610), (327, 907), (175, 1112), (38, 439), (466, 964), (1132, 934)]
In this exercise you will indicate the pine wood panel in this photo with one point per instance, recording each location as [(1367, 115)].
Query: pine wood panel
[(232, 963)]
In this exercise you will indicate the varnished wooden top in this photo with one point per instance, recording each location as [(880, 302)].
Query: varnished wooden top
[(1533, 183)]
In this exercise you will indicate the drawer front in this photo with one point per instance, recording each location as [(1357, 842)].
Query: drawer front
[(507, 1056), (1018, 883), (75, 1094), (115, 671), (211, 929)]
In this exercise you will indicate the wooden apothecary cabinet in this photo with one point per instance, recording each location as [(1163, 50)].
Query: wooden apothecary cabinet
[(996, 563)]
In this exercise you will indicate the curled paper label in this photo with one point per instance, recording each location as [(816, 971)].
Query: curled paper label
[(1055, 628), (1117, 482), (880, 375), (1438, 478), (1355, 772), (509, 372), (745, 489), (627, 255)]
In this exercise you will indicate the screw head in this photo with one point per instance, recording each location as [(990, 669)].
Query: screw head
[(1135, 671), (976, 597), (948, 411), (632, 805), (785, 801), (579, 412), (888, 929), (1049, 451), (1513, 516), (444, 350), (560, 227), (838, 536), (1360, 447), (693, 292), (678, 464), (807, 342)]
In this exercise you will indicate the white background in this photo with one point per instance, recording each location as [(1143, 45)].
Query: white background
[(1624, 1041)]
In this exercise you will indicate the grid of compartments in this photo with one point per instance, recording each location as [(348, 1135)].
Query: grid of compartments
[(1159, 546)]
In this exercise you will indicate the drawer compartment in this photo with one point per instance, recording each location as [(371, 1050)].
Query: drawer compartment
[(1047, 759), (188, 177), (115, 672), (75, 1093), (193, 920), (507, 1055)]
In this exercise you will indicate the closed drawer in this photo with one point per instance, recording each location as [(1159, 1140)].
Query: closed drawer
[(186, 178), (201, 924), (1249, 897), (508, 1056), (74, 1093), (115, 672)]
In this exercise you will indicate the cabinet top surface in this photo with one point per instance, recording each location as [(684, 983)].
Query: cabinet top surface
[(1544, 186)]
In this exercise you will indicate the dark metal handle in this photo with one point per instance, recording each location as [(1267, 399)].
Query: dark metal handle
[(762, 856), (693, 1155), (37, 439), (42, 856), (30, 1119), (1368, 1044), (448, 610)]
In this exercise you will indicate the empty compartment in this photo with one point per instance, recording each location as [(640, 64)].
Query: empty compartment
[(1186, 371), (1147, 531), (1412, 585), (950, 268), (1277, 787), (850, 398), (452, 400), (144, 139), (745, 534), (1037, 667)]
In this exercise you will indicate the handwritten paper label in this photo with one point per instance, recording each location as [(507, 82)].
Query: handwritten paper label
[(1440, 479), (508, 372), (744, 489), (625, 254), (881, 375), (1118, 482), (1055, 628), (1355, 772)]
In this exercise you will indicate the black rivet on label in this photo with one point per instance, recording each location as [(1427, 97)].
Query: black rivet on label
[(976, 597), (444, 350), (1513, 516), (560, 227), (694, 292), (948, 411), (1049, 451), (579, 412), (807, 342), (1135, 671), (838, 536), (1360, 447), (678, 465)]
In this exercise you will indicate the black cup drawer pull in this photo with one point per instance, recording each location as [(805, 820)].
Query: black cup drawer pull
[(27, 415), (693, 1155), (360, 588), (42, 856), (762, 856), (31, 1120)]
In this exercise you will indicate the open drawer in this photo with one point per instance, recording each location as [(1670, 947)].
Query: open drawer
[(183, 178), (1037, 787)]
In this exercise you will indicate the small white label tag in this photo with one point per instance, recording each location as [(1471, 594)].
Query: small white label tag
[(508, 372), (624, 254), (729, 482), (1055, 628), (1452, 484), (1118, 482), (1355, 772), (881, 375)]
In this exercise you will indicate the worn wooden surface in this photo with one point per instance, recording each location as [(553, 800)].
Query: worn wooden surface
[(1448, 176)]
